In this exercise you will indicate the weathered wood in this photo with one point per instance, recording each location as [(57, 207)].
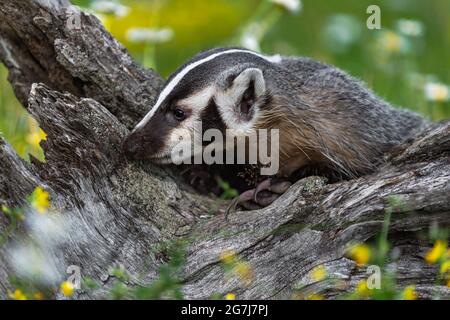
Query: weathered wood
[(86, 92)]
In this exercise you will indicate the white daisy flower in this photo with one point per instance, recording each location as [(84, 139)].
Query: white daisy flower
[(250, 42), (293, 6), (47, 229), (437, 92), (153, 35), (411, 28), (34, 264), (110, 7)]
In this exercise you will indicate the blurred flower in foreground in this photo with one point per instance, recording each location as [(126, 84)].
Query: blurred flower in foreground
[(110, 7), (67, 288), (249, 41), (341, 32), (361, 288), (36, 258), (230, 296), (34, 264), (39, 200), (315, 296), (38, 296), (410, 28), (17, 295), (437, 252), (227, 256), (409, 293), (152, 35), (319, 273), (437, 92), (48, 229), (293, 6), (360, 254), (244, 272)]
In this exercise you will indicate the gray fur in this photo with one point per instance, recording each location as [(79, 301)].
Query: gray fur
[(312, 94)]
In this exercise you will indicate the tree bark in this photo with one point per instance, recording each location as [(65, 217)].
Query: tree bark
[(86, 92)]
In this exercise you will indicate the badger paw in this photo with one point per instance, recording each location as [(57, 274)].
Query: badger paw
[(263, 195)]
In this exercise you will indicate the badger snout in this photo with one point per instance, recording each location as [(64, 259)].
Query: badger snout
[(129, 148), (133, 146)]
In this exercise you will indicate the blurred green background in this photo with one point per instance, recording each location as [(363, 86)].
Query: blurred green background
[(407, 61)]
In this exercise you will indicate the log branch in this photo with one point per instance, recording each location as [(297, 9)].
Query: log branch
[(86, 92)]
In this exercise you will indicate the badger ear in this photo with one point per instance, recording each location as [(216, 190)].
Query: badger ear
[(248, 86)]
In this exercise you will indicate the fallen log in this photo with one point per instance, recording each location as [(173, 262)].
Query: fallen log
[(86, 92)]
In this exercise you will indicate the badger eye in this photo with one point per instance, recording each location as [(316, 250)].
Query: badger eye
[(179, 114)]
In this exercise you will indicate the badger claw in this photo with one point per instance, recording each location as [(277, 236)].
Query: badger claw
[(239, 200), (274, 185), (264, 185), (263, 195)]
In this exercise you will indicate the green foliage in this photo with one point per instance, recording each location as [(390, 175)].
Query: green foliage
[(168, 283), (14, 216), (379, 255), (17, 126), (172, 258), (90, 284), (228, 192)]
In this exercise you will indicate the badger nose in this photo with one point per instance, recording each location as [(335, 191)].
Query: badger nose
[(130, 146)]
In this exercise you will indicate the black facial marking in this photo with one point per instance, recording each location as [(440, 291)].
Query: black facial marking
[(211, 118), (247, 100), (148, 140), (265, 101), (229, 80)]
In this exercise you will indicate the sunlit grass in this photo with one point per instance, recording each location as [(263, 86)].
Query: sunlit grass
[(16, 125)]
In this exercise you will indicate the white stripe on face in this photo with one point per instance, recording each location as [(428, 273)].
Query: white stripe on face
[(198, 101), (172, 84)]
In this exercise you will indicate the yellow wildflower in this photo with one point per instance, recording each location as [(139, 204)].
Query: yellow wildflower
[(362, 289), (67, 288), (409, 293), (244, 272), (35, 137), (439, 250), (18, 295), (40, 200), (228, 256), (38, 296), (316, 296), (319, 273), (360, 254), (230, 296), (391, 41), (445, 267)]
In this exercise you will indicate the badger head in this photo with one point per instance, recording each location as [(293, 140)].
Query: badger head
[(218, 89)]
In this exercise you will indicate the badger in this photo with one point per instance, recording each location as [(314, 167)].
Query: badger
[(329, 123)]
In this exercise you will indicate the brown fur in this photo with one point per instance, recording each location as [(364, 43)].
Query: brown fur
[(312, 138)]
